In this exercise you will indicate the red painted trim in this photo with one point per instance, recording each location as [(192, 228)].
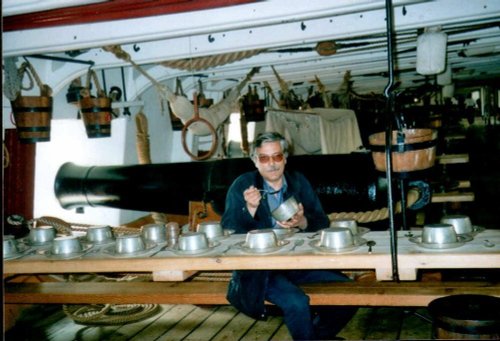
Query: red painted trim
[(110, 10)]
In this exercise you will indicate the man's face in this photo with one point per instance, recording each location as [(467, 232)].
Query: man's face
[(270, 161)]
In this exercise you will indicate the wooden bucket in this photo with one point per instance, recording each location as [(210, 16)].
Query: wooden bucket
[(465, 317), (96, 111), (412, 150), (33, 114), (96, 114)]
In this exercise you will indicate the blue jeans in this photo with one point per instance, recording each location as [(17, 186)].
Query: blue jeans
[(283, 291)]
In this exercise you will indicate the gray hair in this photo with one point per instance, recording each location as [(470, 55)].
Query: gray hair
[(270, 137)]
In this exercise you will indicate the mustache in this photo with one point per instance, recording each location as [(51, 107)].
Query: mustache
[(273, 168)]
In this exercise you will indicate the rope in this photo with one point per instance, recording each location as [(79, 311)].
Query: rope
[(196, 118), (92, 75), (110, 314), (22, 72), (376, 215), (212, 277), (361, 217), (6, 156), (66, 228), (27, 68), (142, 139), (12, 79), (202, 63), (120, 54)]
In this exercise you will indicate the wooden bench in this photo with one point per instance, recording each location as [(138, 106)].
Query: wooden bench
[(373, 293)]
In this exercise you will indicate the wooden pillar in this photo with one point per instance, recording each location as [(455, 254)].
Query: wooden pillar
[(19, 176)]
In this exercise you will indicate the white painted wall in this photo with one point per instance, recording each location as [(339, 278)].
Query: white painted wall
[(69, 143)]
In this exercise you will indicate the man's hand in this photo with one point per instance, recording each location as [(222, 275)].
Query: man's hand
[(252, 197)]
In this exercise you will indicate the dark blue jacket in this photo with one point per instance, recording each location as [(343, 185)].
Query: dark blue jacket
[(247, 288)]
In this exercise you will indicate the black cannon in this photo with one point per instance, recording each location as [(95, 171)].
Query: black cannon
[(343, 182)]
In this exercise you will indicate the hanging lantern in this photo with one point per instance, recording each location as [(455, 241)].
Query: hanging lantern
[(444, 78), (431, 51)]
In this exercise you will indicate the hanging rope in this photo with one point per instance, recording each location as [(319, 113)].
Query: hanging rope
[(197, 119), (12, 78), (202, 63), (6, 156), (216, 114), (28, 69)]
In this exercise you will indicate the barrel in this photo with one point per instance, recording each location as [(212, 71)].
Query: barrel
[(466, 317), (32, 115), (411, 150), (96, 113)]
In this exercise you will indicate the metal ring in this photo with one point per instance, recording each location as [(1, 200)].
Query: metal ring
[(212, 132)]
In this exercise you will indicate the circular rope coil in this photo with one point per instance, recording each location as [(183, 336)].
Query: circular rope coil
[(109, 314)]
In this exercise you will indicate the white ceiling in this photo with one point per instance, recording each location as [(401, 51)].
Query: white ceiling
[(287, 32)]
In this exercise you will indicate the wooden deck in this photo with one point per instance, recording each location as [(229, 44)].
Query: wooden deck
[(189, 322)]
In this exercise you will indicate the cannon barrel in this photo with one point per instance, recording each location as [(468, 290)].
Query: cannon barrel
[(342, 181)]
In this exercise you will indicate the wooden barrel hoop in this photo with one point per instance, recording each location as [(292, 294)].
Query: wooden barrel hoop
[(32, 115), (411, 150), (465, 317)]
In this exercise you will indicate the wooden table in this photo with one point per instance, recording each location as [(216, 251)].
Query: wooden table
[(166, 265)]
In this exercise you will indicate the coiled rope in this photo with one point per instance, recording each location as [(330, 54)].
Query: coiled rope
[(109, 314), (376, 215)]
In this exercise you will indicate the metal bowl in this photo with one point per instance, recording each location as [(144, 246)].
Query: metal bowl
[(66, 245), (154, 232), (99, 234), (212, 229), (9, 246), (193, 241), (351, 224), (129, 243), (461, 223), (261, 239), (336, 238), (42, 235), (439, 234), (286, 210)]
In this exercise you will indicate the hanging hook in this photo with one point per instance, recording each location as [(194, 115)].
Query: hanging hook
[(126, 110)]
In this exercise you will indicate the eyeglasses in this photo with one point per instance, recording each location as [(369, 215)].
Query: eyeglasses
[(267, 158)]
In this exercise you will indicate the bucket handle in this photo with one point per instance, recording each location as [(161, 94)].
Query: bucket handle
[(93, 75), (27, 68)]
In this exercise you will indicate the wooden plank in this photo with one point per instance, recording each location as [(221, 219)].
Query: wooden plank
[(129, 330), (411, 258), (448, 159), (263, 330), (357, 328), (172, 275), (164, 323), (213, 324), (184, 327), (236, 328), (351, 293), (452, 197), (455, 137)]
